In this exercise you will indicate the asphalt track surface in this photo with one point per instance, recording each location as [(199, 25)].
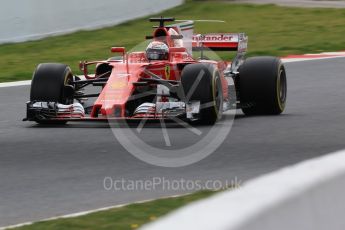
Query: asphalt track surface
[(49, 171)]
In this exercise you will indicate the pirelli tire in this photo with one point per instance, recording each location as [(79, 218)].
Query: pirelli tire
[(50, 83), (262, 86), (202, 82)]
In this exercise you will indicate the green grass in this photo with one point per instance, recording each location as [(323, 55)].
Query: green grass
[(272, 30), (128, 217)]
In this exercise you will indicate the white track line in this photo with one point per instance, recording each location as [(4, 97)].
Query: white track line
[(287, 60), (14, 83), (77, 214)]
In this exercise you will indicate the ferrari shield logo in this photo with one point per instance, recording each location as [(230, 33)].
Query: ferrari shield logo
[(167, 72)]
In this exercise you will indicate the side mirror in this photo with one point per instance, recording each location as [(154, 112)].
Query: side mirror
[(118, 50)]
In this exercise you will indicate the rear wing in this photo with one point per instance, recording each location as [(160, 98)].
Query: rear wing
[(220, 42), (213, 41)]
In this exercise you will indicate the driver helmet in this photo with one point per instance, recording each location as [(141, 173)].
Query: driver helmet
[(157, 51)]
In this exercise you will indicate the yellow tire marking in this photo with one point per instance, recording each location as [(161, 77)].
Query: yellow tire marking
[(281, 106)]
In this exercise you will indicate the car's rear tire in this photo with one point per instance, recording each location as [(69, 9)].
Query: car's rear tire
[(262, 86), (50, 83), (201, 82)]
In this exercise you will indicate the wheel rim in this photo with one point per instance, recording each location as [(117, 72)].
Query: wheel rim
[(281, 88), (68, 78), (218, 96)]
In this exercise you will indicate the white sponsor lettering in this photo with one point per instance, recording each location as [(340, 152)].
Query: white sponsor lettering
[(216, 38)]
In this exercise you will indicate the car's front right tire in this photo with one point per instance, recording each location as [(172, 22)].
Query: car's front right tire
[(50, 83)]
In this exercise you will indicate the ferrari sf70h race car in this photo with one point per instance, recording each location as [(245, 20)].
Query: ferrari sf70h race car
[(162, 82)]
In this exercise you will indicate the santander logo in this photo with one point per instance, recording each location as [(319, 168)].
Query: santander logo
[(215, 38)]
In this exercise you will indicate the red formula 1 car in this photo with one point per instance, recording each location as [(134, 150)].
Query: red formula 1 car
[(162, 82)]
